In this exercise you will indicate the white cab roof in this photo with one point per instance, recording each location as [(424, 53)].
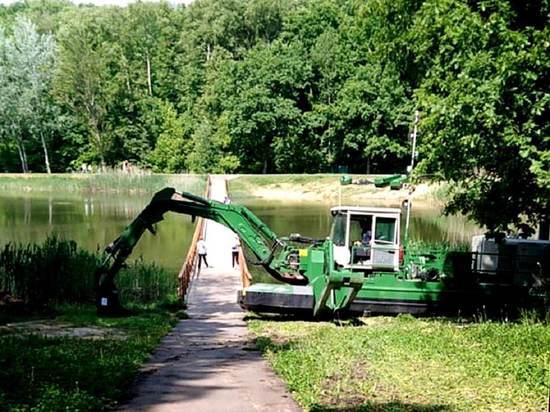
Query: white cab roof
[(367, 209)]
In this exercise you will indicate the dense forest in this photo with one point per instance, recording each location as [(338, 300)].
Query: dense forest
[(272, 86)]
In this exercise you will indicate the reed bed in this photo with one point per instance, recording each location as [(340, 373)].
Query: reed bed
[(101, 182), (58, 271)]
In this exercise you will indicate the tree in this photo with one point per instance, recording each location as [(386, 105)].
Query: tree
[(172, 146), (262, 98), (28, 67), (484, 99), (148, 46), (210, 151), (84, 82), (8, 91), (368, 122)]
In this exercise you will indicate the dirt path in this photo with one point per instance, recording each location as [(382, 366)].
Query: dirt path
[(208, 363)]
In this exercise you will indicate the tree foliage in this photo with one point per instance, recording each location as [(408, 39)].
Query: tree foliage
[(484, 98), (291, 86), (26, 66)]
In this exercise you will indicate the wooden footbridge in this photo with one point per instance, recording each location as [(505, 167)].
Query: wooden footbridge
[(219, 241), (209, 362)]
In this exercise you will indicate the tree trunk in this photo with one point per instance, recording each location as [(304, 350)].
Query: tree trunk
[(46, 157), (96, 136), (25, 158), (149, 83), (102, 160), (544, 229), (22, 157), (264, 171)]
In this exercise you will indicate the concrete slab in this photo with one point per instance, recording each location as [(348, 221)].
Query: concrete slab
[(208, 362)]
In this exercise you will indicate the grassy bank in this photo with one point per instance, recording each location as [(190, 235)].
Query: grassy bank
[(101, 182), (404, 363), (294, 187), (323, 187), (39, 373)]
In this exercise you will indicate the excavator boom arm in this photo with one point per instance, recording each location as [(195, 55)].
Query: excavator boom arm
[(276, 255), (261, 240)]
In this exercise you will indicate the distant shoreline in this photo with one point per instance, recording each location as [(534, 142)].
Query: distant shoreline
[(323, 188), (100, 182), (327, 189)]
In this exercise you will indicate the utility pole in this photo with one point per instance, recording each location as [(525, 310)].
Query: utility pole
[(413, 155), (410, 170)]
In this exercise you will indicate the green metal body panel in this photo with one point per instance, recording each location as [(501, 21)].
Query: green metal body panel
[(397, 184), (385, 181), (388, 293), (315, 265), (346, 180), (391, 286)]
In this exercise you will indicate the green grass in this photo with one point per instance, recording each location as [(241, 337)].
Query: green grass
[(101, 182), (404, 363), (260, 180), (76, 374), (56, 278)]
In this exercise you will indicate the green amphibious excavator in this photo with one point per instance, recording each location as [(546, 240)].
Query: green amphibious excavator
[(360, 267)]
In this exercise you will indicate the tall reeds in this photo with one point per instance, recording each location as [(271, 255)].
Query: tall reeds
[(58, 271), (143, 282), (55, 271), (101, 182)]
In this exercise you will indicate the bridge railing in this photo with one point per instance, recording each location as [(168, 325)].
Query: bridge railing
[(246, 276), (189, 267)]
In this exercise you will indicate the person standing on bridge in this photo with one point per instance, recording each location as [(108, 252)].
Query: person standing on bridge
[(201, 250), (235, 251)]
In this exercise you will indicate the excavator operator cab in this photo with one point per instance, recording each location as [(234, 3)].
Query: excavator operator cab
[(366, 238)]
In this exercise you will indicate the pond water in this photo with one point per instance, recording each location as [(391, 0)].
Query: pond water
[(94, 220)]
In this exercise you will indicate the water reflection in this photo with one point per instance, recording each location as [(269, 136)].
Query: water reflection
[(93, 221), (314, 220)]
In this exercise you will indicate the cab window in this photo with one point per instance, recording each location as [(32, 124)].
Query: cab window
[(354, 230), (385, 230), (338, 232)]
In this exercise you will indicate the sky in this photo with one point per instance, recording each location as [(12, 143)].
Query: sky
[(107, 2)]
